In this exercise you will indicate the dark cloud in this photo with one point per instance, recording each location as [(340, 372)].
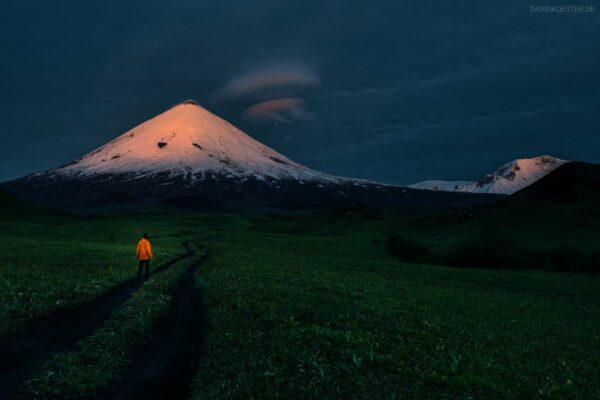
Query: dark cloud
[(404, 91)]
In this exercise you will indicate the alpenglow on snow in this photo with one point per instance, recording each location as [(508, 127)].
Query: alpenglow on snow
[(188, 157), (191, 141), (508, 179)]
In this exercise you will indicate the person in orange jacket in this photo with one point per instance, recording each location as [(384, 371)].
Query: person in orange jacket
[(144, 255)]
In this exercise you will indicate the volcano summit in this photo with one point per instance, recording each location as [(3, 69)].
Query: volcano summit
[(189, 157), (190, 142)]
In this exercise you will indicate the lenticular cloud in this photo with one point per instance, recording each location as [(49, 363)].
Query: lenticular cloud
[(292, 79), (271, 93), (279, 110)]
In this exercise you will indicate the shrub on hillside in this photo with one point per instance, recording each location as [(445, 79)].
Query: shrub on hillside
[(484, 253), (497, 253), (504, 254), (407, 249)]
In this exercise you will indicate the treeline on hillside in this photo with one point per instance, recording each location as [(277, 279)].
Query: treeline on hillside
[(496, 254)]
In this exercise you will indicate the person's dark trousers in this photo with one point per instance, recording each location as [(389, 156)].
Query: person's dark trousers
[(144, 263)]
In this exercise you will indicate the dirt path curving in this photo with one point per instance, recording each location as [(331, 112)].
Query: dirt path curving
[(165, 365), (24, 352)]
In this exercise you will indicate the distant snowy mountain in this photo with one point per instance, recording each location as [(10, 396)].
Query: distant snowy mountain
[(188, 157), (508, 179)]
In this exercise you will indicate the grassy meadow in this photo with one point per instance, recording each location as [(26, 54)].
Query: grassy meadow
[(333, 315), (311, 305), (48, 265)]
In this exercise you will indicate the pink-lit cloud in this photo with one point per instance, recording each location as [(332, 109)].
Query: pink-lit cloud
[(279, 110), (287, 79), (271, 93)]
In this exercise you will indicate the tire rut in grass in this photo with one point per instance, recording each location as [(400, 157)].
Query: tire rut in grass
[(24, 352), (165, 365)]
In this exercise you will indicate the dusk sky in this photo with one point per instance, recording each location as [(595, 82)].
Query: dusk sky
[(386, 90)]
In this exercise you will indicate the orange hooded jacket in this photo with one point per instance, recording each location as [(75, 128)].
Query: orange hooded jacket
[(144, 250)]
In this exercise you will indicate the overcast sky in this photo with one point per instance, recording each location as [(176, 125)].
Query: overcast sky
[(384, 90)]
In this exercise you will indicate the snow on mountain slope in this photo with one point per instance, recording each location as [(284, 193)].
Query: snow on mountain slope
[(446, 186), (189, 140), (509, 178), (188, 158)]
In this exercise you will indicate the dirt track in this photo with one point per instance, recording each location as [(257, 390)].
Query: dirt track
[(165, 365), (22, 353)]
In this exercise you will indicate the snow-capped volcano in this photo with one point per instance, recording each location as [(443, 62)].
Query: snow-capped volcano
[(190, 141), (188, 157), (509, 178)]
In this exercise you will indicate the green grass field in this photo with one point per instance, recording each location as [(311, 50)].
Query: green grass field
[(313, 316), (102, 358), (46, 266), (307, 305)]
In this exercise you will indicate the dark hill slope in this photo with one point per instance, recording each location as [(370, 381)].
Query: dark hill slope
[(571, 183), (553, 225), (13, 209)]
